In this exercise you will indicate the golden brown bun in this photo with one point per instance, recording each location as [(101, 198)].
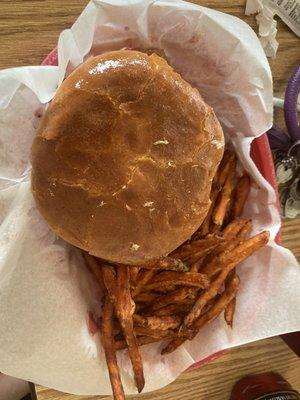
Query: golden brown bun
[(124, 158)]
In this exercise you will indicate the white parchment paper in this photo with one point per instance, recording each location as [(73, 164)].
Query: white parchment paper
[(45, 293)]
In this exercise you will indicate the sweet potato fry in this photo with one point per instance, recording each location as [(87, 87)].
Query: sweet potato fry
[(178, 297), (161, 323), (240, 196), (179, 279), (174, 309), (95, 269), (142, 340), (144, 277), (167, 263), (205, 227), (224, 196), (231, 259), (124, 308), (155, 333), (230, 308), (215, 264), (145, 298), (208, 316), (196, 266), (133, 275), (110, 281), (227, 165), (234, 228), (173, 345), (109, 349), (217, 307), (201, 247)]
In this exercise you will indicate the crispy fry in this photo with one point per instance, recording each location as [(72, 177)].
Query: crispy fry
[(142, 340), (229, 312), (196, 266), (227, 165), (201, 247), (224, 254), (217, 307), (147, 298), (133, 275), (155, 333), (168, 264), (95, 269), (235, 227), (213, 197), (240, 196), (208, 316), (224, 196), (110, 281), (231, 259), (124, 308), (179, 279), (173, 345), (173, 309), (178, 296), (230, 308), (144, 277), (154, 322), (109, 349)]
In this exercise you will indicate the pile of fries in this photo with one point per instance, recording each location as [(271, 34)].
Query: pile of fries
[(172, 298)]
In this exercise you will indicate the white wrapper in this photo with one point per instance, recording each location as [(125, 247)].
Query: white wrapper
[(45, 293), (287, 10)]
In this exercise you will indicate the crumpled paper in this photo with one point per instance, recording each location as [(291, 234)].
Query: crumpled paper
[(45, 292), (287, 10)]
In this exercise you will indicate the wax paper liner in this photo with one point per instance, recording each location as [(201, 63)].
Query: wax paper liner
[(45, 292)]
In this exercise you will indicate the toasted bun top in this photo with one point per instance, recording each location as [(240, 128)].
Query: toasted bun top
[(124, 158)]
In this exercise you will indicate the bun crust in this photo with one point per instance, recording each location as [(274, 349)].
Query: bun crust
[(123, 160)]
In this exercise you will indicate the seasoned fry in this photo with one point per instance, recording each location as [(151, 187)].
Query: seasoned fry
[(211, 314), (124, 309), (224, 196), (142, 340), (223, 253), (241, 193), (217, 308), (133, 275), (227, 165), (173, 309), (144, 277), (195, 266), (201, 247), (155, 333), (154, 322), (179, 279), (231, 259), (109, 349), (213, 197), (95, 269), (167, 263), (173, 345), (234, 227), (230, 308), (110, 281), (147, 298), (177, 297)]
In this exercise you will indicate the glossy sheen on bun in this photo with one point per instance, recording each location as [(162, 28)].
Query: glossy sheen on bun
[(124, 158)]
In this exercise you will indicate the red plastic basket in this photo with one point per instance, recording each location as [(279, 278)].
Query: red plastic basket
[(261, 155)]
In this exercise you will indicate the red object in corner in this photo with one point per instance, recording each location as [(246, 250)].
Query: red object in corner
[(266, 386)]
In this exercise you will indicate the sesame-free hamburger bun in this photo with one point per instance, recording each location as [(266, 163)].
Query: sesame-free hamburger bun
[(123, 160)]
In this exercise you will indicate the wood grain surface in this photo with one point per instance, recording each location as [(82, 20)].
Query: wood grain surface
[(29, 30)]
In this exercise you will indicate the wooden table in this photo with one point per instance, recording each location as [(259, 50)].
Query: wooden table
[(28, 31)]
